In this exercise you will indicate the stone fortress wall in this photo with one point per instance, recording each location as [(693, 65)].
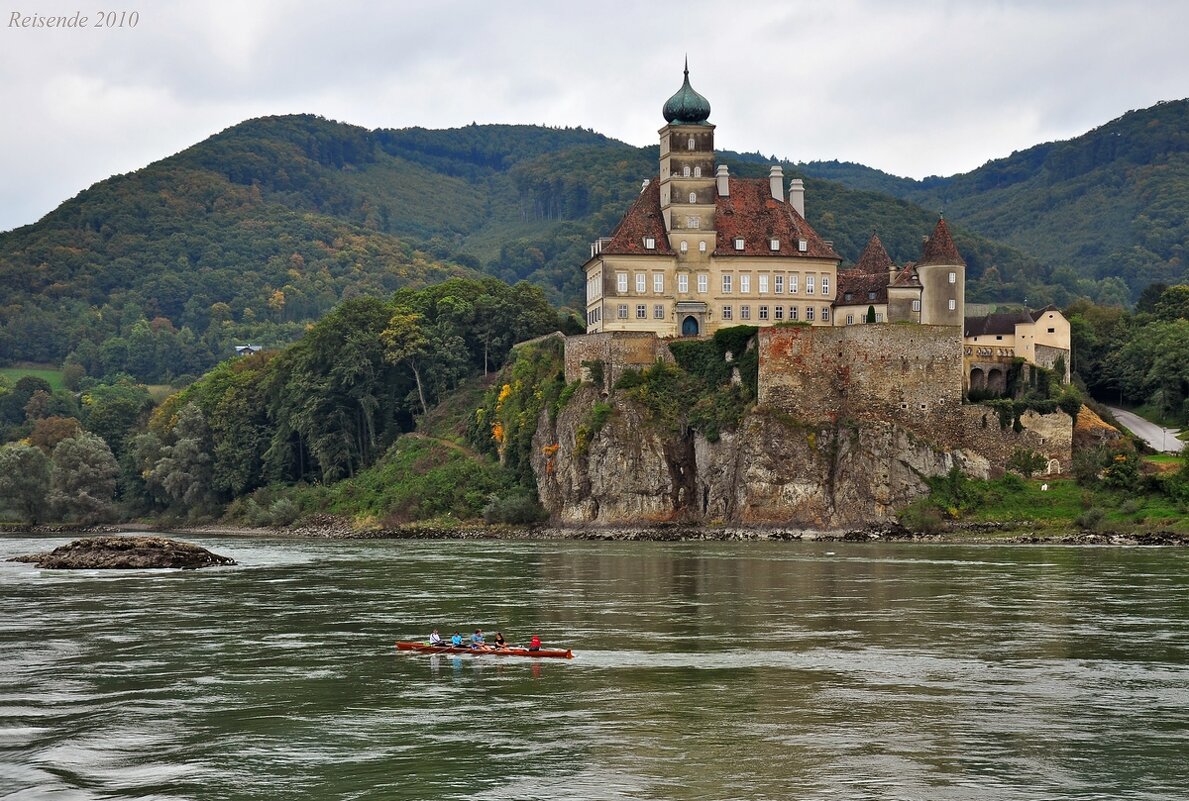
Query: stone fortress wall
[(909, 375), (619, 351)]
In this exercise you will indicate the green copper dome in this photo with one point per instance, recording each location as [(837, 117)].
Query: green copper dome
[(687, 106)]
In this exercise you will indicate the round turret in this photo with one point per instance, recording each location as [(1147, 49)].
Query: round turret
[(687, 106)]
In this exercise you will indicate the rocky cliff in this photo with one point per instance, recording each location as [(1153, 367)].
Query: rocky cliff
[(771, 469)]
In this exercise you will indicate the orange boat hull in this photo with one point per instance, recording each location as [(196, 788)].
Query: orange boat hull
[(543, 653)]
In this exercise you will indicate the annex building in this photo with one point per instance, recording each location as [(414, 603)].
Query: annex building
[(701, 250)]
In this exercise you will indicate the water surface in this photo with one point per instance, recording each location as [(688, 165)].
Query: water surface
[(703, 671)]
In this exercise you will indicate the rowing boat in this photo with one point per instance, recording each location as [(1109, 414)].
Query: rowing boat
[(540, 653)]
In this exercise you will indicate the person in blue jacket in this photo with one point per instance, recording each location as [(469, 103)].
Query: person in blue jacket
[(456, 640), (477, 639)]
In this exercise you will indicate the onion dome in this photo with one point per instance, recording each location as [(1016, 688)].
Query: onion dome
[(687, 106)]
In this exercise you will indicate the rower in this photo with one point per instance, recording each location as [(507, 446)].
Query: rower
[(499, 641), (435, 638), (456, 640), (535, 643), (477, 640)]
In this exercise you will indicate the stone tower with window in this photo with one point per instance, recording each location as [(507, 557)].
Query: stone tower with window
[(687, 170), (942, 273)]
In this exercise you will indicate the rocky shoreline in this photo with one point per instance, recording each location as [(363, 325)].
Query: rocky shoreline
[(332, 528), (970, 533)]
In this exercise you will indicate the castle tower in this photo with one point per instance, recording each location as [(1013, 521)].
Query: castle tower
[(687, 170), (942, 272)]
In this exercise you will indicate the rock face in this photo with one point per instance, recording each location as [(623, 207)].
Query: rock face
[(771, 470), (126, 552)]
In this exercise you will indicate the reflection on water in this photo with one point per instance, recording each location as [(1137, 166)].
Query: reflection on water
[(703, 671)]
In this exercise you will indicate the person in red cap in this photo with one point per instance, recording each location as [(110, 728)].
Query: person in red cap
[(535, 643)]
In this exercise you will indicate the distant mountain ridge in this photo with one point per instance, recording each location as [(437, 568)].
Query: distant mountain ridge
[(256, 231), (1113, 202)]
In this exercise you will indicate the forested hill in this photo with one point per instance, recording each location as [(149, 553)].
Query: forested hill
[(253, 233), (1113, 202)]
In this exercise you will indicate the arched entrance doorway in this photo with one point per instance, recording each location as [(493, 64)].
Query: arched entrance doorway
[(689, 326)]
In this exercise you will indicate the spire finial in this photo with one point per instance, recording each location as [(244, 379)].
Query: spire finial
[(687, 66)]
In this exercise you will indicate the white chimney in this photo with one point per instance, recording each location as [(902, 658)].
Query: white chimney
[(776, 180), (722, 175), (797, 195)]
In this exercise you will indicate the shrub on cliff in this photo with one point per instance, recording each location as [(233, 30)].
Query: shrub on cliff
[(518, 507)]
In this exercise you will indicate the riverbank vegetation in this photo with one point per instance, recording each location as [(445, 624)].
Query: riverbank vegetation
[(1112, 489)]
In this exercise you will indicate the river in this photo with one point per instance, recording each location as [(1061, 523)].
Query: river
[(702, 671)]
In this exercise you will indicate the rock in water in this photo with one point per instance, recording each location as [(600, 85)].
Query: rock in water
[(125, 552)]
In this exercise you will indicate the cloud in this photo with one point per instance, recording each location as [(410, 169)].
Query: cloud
[(914, 88)]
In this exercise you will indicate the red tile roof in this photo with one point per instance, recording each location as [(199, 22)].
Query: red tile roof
[(863, 288), (643, 219), (908, 276), (940, 248), (751, 213), (874, 258), (998, 323)]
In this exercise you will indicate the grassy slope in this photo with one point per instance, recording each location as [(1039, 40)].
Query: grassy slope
[(427, 475), (51, 374)]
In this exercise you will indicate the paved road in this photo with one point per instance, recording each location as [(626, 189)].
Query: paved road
[(1162, 439)]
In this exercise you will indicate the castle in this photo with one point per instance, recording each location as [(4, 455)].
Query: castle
[(701, 250)]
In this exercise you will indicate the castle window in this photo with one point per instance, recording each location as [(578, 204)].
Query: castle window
[(684, 246), (658, 312), (809, 284), (650, 243), (850, 319), (779, 310), (641, 282), (793, 284), (916, 305), (744, 284), (697, 172), (738, 244), (825, 314), (621, 283), (727, 314), (792, 312), (658, 282), (745, 312), (774, 244), (622, 311), (953, 304), (763, 285), (702, 246), (780, 285), (641, 311), (693, 197), (847, 297), (703, 283), (870, 296), (690, 144), (825, 285), (763, 312), (953, 278), (803, 245), (1052, 330), (809, 314), (726, 284), (879, 317), (685, 172), (683, 283)]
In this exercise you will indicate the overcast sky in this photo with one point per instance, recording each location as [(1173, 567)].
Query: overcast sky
[(908, 86)]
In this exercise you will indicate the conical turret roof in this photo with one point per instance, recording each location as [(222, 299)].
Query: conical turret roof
[(940, 248), (874, 259), (687, 106)]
